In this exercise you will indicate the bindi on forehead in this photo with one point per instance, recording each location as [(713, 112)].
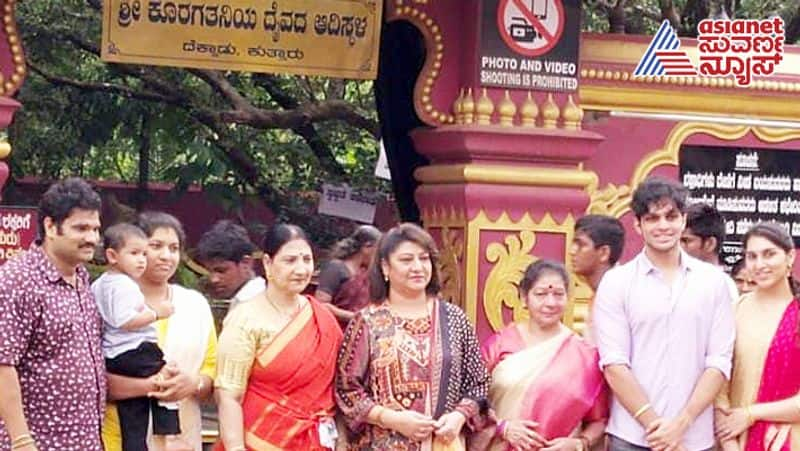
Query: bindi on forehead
[(550, 286)]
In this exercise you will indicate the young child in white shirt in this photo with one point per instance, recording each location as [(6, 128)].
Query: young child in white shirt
[(129, 338)]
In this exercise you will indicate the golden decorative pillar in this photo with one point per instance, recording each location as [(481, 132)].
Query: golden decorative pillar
[(484, 109)]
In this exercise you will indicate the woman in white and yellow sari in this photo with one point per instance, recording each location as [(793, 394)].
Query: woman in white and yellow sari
[(547, 389), (187, 337)]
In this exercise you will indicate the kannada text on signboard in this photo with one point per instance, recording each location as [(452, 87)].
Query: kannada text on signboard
[(746, 186), (17, 230), (324, 37)]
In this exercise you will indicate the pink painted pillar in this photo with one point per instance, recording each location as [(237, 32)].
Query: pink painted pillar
[(505, 181), (12, 74)]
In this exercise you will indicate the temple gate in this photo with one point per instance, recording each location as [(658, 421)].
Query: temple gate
[(500, 176)]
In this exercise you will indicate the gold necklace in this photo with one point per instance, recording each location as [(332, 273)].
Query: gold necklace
[(280, 311)]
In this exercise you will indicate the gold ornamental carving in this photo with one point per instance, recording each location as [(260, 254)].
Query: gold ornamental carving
[(451, 252), (480, 109), (500, 287), (502, 174), (615, 200), (502, 283), (9, 85), (5, 149), (433, 217), (610, 199), (451, 255), (416, 12)]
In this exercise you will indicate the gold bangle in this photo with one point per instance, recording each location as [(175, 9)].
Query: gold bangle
[(21, 443), (21, 438), (641, 411)]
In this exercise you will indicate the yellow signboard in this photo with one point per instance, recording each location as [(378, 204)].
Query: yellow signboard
[(334, 38)]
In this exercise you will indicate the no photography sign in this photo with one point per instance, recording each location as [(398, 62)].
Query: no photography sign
[(530, 44)]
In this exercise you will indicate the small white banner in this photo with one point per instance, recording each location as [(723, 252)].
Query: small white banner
[(382, 167), (342, 201)]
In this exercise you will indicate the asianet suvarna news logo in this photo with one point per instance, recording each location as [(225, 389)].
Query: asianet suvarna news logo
[(738, 48)]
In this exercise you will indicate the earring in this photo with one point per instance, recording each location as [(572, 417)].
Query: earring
[(386, 278)]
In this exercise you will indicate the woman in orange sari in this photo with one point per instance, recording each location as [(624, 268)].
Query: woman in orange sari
[(276, 358), (547, 389)]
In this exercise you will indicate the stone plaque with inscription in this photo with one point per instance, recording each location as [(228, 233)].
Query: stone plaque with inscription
[(747, 185)]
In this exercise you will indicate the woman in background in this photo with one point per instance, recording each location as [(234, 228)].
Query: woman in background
[(343, 282)]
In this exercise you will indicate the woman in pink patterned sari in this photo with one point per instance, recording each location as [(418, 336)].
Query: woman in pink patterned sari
[(547, 389), (761, 409)]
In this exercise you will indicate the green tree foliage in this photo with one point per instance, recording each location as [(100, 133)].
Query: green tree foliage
[(644, 16), (236, 134)]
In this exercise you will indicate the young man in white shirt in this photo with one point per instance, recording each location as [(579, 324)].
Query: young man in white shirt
[(664, 327)]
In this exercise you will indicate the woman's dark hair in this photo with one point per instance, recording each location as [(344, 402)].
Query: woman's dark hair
[(389, 242), (150, 221), (364, 235), (280, 234), (777, 235), (536, 270)]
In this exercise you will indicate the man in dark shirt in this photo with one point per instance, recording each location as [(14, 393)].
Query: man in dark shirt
[(51, 365)]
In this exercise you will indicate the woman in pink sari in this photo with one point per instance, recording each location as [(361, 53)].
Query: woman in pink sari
[(547, 389), (761, 408)]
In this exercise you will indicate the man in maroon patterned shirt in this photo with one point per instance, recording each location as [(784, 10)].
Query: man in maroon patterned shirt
[(51, 366)]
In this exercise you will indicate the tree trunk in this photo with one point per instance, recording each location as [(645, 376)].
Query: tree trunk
[(142, 192), (616, 17)]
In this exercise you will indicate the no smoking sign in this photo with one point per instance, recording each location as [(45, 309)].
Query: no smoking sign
[(530, 27)]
